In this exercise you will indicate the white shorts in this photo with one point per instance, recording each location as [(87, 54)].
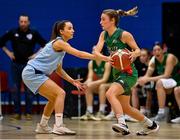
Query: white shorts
[(168, 83), (33, 78)]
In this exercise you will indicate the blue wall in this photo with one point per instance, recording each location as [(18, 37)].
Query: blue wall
[(85, 16)]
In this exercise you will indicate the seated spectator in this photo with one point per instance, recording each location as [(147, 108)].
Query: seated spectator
[(177, 97), (142, 95), (102, 90), (167, 67), (99, 73)]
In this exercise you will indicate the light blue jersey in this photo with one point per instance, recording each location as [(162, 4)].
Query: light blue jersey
[(37, 70), (47, 59)]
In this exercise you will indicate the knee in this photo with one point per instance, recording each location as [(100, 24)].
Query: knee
[(90, 87), (159, 84), (61, 94), (101, 88), (52, 102), (88, 91), (176, 91), (52, 98), (110, 95)]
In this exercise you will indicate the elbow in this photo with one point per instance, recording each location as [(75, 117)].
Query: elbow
[(95, 52)]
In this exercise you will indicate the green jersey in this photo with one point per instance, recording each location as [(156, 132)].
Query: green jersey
[(160, 68), (99, 70), (114, 43)]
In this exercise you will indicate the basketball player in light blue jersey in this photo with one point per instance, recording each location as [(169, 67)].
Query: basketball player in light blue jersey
[(49, 59)]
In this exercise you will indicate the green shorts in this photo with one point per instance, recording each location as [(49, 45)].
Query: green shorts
[(127, 82)]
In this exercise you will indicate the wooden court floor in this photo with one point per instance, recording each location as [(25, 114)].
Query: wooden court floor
[(85, 130)]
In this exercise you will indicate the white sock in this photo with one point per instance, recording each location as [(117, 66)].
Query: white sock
[(147, 122), (120, 119), (58, 119), (44, 120), (102, 108), (112, 112), (161, 111), (142, 110), (90, 109)]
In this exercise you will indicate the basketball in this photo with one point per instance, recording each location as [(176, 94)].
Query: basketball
[(121, 59)]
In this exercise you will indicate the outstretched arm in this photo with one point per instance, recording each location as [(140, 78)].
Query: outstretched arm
[(60, 45)]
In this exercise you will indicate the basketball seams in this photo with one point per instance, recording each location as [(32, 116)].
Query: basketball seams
[(121, 58)]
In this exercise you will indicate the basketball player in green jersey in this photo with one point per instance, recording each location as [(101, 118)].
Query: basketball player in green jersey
[(99, 73), (119, 92), (168, 70)]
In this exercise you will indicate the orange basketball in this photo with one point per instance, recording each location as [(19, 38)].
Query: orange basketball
[(121, 59)]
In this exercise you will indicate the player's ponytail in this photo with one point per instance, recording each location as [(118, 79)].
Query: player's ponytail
[(54, 33), (131, 12), (116, 14)]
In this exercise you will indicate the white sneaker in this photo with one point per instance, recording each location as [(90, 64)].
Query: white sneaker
[(121, 128), (147, 130), (62, 130), (100, 115), (89, 116), (109, 117), (1, 117), (43, 129), (176, 120)]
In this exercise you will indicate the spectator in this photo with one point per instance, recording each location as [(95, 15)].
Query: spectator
[(99, 72), (177, 97), (142, 95), (23, 40), (167, 67)]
